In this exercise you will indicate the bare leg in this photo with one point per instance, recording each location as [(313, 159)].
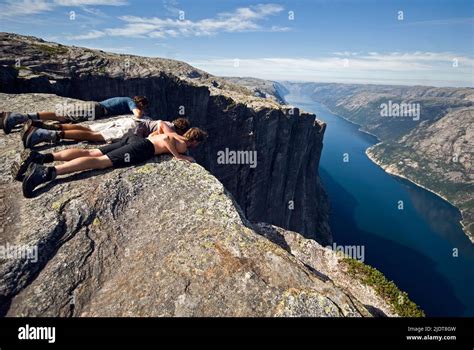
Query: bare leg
[(83, 163), (73, 153), (69, 126), (83, 135), (51, 116)]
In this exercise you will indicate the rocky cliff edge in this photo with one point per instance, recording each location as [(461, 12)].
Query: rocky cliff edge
[(159, 239), (283, 189)]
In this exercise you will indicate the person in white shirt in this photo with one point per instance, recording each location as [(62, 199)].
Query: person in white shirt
[(103, 132)]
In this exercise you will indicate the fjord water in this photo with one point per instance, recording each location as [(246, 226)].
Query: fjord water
[(414, 246)]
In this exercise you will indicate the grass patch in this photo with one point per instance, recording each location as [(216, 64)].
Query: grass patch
[(51, 50), (386, 289), (20, 67)]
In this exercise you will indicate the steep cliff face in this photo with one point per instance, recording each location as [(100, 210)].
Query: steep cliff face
[(159, 239), (283, 189), (433, 149)]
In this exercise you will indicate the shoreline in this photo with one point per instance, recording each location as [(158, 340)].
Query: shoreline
[(400, 175), (359, 127), (404, 177)]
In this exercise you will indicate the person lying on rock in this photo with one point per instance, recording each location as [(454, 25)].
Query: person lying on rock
[(128, 151), (36, 133), (77, 112)]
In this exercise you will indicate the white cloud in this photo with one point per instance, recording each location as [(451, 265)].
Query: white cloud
[(94, 11), (18, 8), (346, 53), (428, 68), (419, 57), (124, 49), (24, 7), (79, 3), (241, 20), (93, 34)]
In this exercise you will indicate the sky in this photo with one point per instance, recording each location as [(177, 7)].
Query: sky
[(412, 42)]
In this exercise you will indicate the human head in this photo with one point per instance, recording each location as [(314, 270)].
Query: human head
[(141, 102), (194, 137), (181, 125)]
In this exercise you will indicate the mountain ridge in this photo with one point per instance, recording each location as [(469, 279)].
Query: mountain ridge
[(434, 152)]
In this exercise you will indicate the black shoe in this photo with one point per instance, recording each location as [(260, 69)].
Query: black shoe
[(11, 120), (27, 157), (3, 116), (31, 135), (36, 175)]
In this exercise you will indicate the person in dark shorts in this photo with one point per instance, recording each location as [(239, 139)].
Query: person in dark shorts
[(128, 151), (76, 113)]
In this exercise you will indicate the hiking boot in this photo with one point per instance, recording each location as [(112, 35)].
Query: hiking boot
[(47, 126), (31, 135), (10, 120), (26, 158), (3, 115), (25, 128), (40, 125), (35, 175)]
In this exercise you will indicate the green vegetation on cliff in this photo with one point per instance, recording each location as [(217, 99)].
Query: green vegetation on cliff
[(386, 289)]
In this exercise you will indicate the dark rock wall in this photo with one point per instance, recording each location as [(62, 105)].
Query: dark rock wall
[(288, 144)]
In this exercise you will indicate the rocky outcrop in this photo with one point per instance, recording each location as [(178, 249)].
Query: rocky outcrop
[(261, 87), (434, 150), (158, 239), (283, 189), (328, 265)]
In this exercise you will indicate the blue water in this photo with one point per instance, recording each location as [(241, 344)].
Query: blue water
[(414, 247)]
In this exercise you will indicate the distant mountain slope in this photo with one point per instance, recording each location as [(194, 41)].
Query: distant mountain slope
[(261, 88), (361, 104), (434, 150)]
